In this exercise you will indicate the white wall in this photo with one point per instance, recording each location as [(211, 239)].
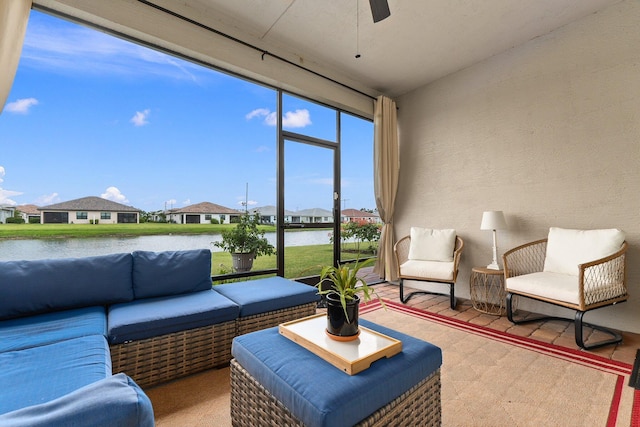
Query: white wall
[(548, 132)]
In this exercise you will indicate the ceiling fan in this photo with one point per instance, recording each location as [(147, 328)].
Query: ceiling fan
[(379, 10)]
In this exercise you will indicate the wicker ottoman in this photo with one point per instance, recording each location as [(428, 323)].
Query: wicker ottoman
[(274, 381)]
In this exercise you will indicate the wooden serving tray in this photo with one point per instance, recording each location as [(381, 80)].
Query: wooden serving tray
[(350, 356)]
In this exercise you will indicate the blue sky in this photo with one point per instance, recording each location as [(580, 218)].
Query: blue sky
[(92, 115)]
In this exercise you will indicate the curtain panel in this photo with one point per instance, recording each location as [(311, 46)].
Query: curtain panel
[(14, 16), (386, 169)]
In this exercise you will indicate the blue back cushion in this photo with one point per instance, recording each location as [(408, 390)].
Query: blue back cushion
[(158, 274), (31, 287)]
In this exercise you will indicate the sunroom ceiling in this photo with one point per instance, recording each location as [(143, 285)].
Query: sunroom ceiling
[(420, 42)]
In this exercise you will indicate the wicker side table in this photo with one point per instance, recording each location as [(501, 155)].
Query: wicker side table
[(487, 290)]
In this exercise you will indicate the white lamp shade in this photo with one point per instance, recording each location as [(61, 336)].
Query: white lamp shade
[(493, 220)]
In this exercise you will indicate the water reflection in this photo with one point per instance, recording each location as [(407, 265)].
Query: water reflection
[(82, 247)]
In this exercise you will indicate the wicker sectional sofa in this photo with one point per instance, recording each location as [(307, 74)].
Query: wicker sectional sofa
[(73, 331)]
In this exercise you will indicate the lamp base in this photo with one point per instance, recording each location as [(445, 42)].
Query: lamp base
[(493, 266)]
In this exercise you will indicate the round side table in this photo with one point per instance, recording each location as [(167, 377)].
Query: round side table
[(487, 290)]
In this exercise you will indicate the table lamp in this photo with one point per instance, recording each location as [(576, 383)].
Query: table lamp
[(493, 220)]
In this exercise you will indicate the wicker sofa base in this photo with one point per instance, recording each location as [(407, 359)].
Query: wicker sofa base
[(269, 319), (253, 405), (155, 360)]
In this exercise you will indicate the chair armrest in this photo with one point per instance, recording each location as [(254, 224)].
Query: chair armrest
[(525, 259), (456, 256), (603, 279), (401, 250)]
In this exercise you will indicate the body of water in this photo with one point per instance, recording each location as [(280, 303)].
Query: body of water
[(82, 247)]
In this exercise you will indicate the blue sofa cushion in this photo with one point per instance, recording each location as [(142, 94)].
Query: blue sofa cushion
[(319, 394), (42, 329), (157, 274), (37, 375), (116, 401), (38, 286), (270, 294), (153, 317)]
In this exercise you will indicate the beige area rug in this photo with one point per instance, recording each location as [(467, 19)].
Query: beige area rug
[(489, 378)]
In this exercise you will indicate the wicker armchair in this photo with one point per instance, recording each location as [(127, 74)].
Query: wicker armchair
[(401, 250), (598, 283)]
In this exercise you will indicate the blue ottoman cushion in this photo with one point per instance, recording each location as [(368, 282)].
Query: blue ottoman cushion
[(48, 328), (154, 317), (157, 274), (39, 286), (114, 401), (319, 394), (270, 294), (50, 371)]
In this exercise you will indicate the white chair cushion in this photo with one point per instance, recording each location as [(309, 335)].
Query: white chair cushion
[(432, 245), (556, 286), (436, 270), (567, 248)]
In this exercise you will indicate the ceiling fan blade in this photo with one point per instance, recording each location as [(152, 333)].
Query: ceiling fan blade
[(379, 10)]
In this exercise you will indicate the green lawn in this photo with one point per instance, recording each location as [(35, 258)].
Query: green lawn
[(39, 231)]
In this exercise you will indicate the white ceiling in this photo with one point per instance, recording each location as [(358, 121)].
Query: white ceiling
[(420, 42)]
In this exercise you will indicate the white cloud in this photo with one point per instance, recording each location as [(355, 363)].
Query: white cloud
[(291, 119), (72, 49), (186, 202), (296, 119), (113, 194), (6, 194), (47, 199), (5, 197), (323, 181), (140, 118), (258, 112), (21, 106)]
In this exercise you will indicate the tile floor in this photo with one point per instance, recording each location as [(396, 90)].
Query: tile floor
[(552, 331)]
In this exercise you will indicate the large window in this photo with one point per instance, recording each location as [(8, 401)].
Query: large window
[(159, 133)]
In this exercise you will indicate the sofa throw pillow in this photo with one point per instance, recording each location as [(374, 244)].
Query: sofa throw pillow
[(429, 244), (157, 274), (566, 248)]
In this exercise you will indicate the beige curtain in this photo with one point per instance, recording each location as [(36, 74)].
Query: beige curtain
[(386, 169), (14, 15)]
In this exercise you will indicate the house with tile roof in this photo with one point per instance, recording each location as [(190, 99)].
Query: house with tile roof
[(29, 213), (88, 210), (355, 215), (6, 211), (202, 213)]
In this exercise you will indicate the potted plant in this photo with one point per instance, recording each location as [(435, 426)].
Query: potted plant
[(245, 242), (342, 297)]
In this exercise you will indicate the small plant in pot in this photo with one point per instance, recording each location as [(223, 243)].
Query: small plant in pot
[(342, 296), (245, 242)]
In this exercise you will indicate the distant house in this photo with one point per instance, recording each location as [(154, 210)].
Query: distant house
[(268, 214), (29, 213), (202, 213), (313, 215), (6, 211), (87, 210), (355, 215)]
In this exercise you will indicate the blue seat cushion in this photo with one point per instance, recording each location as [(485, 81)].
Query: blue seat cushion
[(157, 274), (37, 375), (113, 401), (153, 317), (40, 286), (270, 294), (319, 394), (42, 329)]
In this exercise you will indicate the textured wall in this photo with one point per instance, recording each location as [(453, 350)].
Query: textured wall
[(548, 132)]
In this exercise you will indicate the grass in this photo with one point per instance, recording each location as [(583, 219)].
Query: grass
[(43, 231)]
